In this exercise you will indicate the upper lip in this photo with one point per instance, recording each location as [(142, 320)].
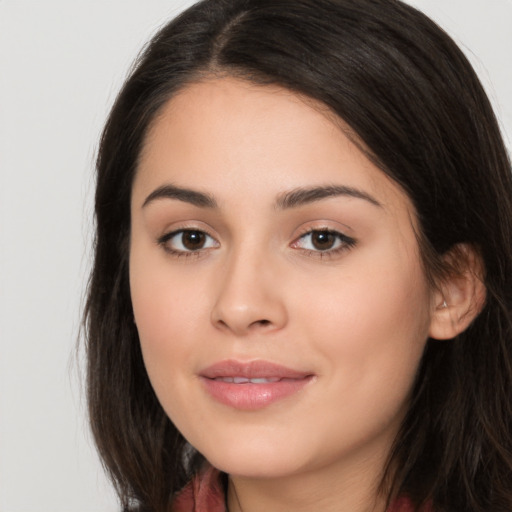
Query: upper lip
[(252, 370)]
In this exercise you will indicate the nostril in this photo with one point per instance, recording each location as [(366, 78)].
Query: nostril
[(262, 322)]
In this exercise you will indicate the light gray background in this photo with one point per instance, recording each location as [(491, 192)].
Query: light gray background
[(61, 64)]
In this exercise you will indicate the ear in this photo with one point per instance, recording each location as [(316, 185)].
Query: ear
[(460, 296)]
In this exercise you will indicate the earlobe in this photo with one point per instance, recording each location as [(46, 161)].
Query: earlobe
[(460, 296)]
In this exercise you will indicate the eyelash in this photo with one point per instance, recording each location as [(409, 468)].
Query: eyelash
[(344, 243)]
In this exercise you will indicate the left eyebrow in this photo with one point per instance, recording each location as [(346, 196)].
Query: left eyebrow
[(302, 196)]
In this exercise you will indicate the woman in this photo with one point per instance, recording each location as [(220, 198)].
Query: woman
[(301, 295)]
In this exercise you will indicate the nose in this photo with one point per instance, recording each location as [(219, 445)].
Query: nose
[(249, 297)]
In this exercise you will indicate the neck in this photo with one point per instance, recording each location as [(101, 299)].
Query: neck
[(328, 490)]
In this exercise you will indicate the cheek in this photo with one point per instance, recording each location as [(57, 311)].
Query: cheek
[(168, 320), (168, 311), (371, 324)]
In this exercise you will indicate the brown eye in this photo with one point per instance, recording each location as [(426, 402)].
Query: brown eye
[(193, 240), (323, 240), (187, 241)]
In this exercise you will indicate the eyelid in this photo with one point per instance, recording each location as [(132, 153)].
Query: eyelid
[(165, 231)]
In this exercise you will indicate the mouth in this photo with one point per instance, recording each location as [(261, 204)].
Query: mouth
[(253, 385), (244, 380)]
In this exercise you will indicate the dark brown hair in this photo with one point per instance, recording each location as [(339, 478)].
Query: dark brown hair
[(411, 97)]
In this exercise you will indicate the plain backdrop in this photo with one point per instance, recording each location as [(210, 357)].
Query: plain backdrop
[(61, 64)]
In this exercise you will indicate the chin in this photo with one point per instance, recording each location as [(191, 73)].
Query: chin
[(252, 460), (258, 469)]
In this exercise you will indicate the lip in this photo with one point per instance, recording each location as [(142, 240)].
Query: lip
[(252, 385)]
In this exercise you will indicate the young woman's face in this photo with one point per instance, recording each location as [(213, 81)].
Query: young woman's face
[(276, 283)]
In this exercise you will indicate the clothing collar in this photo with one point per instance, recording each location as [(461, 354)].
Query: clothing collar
[(205, 493)]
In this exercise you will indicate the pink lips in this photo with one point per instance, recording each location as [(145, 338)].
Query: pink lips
[(253, 385)]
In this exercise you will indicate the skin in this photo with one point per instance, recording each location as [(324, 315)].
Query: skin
[(356, 316)]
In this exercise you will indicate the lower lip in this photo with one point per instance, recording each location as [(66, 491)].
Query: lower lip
[(249, 396)]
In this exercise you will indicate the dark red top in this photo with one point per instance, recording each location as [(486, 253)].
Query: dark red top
[(205, 494)]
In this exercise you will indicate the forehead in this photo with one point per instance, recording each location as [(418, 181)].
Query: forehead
[(219, 133), (244, 110)]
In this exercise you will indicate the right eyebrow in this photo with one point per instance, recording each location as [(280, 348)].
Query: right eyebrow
[(181, 194)]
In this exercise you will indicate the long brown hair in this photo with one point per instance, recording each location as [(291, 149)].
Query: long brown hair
[(410, 95)]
